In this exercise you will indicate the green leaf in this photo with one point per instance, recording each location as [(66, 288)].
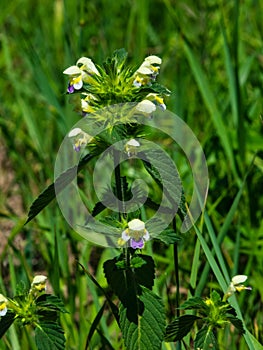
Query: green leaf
[(127, 282), (5, 322), (56, 187), (148, 333), (95, 324), (49, 336), (194, 303), (205, 339), (236, 322), (255, 343), (168, 236), (180, 327), (50, 302), (113, 307)]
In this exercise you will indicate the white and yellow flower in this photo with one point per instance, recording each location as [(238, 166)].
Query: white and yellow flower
[(136, 234), (236, 285), (147, 71), (156, 99), (146, 107), (3, 305), (79, 138), (39, 283), (131, 147), (81, 72)]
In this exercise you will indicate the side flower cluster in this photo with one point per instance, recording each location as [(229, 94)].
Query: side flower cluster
[(115, 83)]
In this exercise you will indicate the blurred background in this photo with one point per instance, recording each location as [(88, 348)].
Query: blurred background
[(212, 54)]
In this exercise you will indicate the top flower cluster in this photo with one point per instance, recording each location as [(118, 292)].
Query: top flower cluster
[(115, 83)]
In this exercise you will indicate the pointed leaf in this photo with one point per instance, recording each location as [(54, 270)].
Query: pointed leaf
[(148, 332), (237, 323), (5, 322), (49, 336), (50, 193), (127, 281), (113, 307), (180, 327), (206, 340)]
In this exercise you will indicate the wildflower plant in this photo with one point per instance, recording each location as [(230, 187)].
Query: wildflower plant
[(212, 314), (34, 308), (117, 104)]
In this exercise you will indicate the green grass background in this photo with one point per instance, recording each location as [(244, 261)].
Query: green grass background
[(212, 55)]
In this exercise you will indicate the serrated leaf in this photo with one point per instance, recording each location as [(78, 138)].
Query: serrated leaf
[(49, 336), (205, 339), (156, 88), (195, 303), (127, 282), (148, 332), (5, 322), (165, 175), (56, 187), (180, 327), (51, 302), (168, 237)]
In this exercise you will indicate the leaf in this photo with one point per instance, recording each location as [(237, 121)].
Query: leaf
[(127, 282), (205, 339), (180, 327), (113, 307), (255, 343), (49, 336), (50, 302), (94, 325), (195, 303), (5, 322), (237, 323), (168, 237), (56, 187), (149, 331)]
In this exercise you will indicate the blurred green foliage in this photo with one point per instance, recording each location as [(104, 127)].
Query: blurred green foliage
[(212, 62)]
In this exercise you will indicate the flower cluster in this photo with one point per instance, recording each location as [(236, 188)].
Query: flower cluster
[(38, 286), (115, 83), (136, 234)]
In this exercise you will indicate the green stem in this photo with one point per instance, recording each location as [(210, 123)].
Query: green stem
[(117, 172), (176, 269)]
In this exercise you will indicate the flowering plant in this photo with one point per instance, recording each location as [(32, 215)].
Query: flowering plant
[(110, 100), (33, 307)]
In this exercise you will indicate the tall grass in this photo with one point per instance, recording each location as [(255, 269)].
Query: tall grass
[(212, 62)]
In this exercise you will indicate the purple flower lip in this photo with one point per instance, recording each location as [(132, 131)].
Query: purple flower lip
[(70, 89), (137, 244)]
